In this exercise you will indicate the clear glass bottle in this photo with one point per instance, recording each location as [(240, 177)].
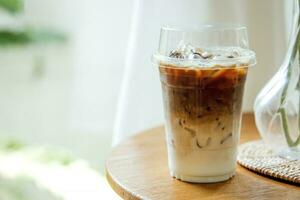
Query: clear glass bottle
[(277, 106)]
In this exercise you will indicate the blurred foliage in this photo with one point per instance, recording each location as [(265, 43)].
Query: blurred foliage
[(26, 36), (24, 188), (12, 6), (49, 155), (29, 36), (11, 145), (42, 154)]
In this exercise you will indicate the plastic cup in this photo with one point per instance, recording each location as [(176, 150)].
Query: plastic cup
[(203, 101)]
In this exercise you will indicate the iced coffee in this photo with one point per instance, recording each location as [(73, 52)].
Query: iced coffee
[(203, 93)]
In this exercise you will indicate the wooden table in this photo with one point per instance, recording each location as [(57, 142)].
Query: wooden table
[(137, 169)]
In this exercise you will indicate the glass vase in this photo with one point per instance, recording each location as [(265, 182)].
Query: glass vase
[(277, 106)]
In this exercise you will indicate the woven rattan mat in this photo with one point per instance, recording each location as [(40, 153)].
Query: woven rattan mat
[(258, 157)]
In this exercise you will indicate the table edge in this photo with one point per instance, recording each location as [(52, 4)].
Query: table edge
[(117, 187)]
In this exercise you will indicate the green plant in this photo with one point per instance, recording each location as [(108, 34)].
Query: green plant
[(29, 36), (25, 36), (12, 6)]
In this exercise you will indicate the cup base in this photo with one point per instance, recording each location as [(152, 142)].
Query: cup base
[(202, 179)]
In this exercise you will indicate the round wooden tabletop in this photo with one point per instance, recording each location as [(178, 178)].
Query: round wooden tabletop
[(137, 169)]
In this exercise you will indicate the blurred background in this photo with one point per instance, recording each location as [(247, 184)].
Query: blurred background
[(67, 84)]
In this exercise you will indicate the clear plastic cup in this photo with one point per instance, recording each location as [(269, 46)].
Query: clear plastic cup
[(202, 98)]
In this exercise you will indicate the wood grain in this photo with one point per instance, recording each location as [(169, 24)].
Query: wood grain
[(137, 169)]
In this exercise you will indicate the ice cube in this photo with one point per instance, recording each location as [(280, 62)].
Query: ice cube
[(194, 56), (176, 54), (206, 55), (183, 50), (232, 54)]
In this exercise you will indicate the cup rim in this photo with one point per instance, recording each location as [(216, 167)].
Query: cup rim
[(249, 56), (246, 60), (204, 27)]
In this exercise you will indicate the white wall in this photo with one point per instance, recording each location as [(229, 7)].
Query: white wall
[(72, 104)]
